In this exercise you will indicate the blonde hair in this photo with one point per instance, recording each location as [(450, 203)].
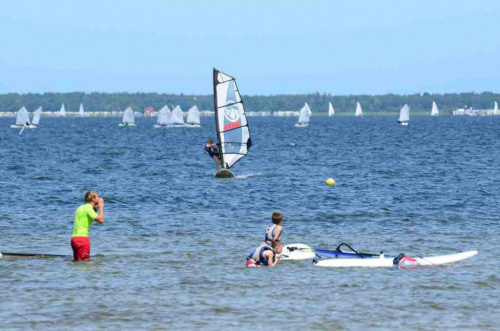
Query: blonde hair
[(90, 196)]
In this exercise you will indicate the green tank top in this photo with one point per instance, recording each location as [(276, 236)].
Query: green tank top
[(84, 216)]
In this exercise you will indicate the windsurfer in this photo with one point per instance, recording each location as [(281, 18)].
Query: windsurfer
[(265, 255), (84, 216), (213, 151)]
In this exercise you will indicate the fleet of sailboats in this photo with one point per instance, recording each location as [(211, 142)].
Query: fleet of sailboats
[(304, 116)]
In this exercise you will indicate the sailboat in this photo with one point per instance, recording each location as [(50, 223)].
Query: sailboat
[(331, 111), (22, 120), (81, 111), (62, 111), (177, 116), (495, 109), (36, 116), (435, 110), (128, 118), (164, 118), (233, 132), (193, 118), (304, 115), (404, 115), (359, 111)]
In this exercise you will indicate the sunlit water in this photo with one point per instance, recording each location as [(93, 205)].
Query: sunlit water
[(172, 250)]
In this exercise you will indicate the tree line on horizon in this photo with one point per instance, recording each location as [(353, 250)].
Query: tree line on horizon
[(318, 102)]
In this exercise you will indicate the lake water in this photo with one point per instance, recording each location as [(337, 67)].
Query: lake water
[(172, 250)]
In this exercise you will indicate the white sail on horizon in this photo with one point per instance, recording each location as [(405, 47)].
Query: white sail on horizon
[(36, 116), (495, 109), (177, 115), (164, 116), (193, 115), (232, 128), (404, 114), (81, 111), (304, 114), (435, 110), (62, 111), (331, 111), (128, 116), (23, 117), (359, 110)]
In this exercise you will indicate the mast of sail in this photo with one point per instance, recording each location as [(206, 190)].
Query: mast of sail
[(216, 108)]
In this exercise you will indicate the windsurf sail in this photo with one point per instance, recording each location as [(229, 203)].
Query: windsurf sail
[(359, 111), (177, 116), (304, 114), (164, 116), (233, 132), (404, 114), (193, 116), (128, 116), (62, 111), (36, 116), (22, 117), (495, 110), (81, 111), (331, 111), (435, 110)]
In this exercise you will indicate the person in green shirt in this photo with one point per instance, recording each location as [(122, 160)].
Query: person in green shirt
[(85, 215)]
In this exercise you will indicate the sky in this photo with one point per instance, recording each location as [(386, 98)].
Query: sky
[(270, 47)]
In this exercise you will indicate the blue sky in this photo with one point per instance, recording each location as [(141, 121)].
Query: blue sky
[(271, 47)]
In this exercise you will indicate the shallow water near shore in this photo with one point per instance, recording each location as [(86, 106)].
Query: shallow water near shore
[(172, 250)]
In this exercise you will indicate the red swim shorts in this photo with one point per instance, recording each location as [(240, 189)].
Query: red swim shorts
[(81, 248)]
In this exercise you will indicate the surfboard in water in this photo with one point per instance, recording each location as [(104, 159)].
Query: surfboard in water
[(404, 115), (36, 116), (233, 132), (435, 110), (331, 111)]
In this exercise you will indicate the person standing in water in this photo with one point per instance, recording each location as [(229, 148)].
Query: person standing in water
[(274, 229), (213, 151), (84, 216)]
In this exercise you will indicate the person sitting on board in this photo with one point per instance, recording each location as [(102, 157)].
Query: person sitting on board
[(265, 255), (274, 229), (84, 216), (213, 151)]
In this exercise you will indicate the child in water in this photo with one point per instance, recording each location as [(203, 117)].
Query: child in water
[(274, 229)]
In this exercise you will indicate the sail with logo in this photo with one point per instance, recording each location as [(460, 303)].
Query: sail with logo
[(233, 132)]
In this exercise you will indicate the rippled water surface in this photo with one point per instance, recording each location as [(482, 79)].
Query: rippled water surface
[(172, 250)]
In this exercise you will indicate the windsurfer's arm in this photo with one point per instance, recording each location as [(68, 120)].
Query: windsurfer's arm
[(271, 258), (277, 234), (100, 217)]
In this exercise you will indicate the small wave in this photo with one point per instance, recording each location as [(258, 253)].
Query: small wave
[(15, 167), (43, 177)]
